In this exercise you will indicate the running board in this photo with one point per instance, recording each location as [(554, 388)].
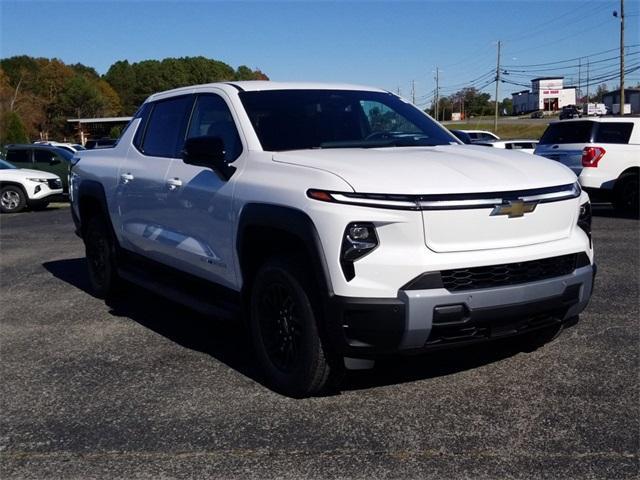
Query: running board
[(202, 296)]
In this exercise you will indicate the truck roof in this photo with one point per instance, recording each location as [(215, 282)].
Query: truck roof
[(263, 85)]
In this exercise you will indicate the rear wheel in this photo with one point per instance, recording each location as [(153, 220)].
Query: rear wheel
[(12, 199), (625, 195), (101, 260), (284, 329)]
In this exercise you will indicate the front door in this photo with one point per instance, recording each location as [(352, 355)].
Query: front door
[(142, 193), (199, 201)]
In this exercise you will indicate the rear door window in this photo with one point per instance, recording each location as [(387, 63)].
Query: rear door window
[(165, 132), (568, 132), (19, 156), (610, 132)]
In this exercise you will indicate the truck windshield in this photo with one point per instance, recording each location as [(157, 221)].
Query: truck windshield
[(306, 119)]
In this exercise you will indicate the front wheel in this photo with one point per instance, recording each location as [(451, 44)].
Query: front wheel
[(284, 330), (12, 199)]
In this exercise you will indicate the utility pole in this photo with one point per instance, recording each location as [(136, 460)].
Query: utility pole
[(587, 83), (579, 77), (398, 90), (622, 57), (495, 120), (413, 92), (437, 92)]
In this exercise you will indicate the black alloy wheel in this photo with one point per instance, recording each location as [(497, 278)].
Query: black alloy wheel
[(284, 323)]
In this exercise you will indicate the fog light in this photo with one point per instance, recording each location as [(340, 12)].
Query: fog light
[(584, 219), (359, 239), (357, 232)]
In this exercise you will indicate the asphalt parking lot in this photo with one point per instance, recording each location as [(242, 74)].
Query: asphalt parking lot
[(147, 389)]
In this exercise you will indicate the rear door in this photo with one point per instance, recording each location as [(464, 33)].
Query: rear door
[(141, 193), (564, 142), (20, 157)]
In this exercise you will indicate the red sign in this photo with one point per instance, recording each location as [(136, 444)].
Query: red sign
[(550, 92)]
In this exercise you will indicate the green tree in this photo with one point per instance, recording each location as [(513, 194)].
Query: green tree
[(12, 129), (80, 98), (506, 106)]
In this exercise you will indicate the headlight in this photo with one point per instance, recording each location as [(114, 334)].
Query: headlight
[(584, 219), (358, 240), (39, 180)]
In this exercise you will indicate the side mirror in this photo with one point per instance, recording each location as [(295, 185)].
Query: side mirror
[(207, 152)]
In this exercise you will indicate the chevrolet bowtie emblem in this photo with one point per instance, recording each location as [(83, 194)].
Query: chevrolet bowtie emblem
[(514, 208)]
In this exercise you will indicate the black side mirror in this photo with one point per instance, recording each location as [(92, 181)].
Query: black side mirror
[(207, 152)]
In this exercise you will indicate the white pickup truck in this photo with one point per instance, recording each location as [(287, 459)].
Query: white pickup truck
[(340, 221), (603, 152)]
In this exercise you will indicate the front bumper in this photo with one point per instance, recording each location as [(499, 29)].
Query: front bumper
[(422, 320)]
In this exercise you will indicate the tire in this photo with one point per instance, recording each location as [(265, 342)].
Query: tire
[(12, 199), (625, 194), (101, 258), (284, 330)]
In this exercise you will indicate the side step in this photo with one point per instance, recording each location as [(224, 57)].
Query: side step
[(204, 297)]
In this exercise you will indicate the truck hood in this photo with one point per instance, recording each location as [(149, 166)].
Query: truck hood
[(433, 170)]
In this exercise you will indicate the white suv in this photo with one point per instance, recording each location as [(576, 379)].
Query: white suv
[(342, 222), (603, 152), (22, 187)]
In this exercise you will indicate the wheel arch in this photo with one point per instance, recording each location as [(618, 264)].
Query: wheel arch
[(91, 200), (9, 183), (267, 229), (631, 170)]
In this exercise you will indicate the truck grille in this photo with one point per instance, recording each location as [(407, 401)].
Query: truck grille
[(54, 183), (508, 274)]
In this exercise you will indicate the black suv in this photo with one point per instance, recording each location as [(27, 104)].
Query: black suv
[(42, 157), (570, 111)]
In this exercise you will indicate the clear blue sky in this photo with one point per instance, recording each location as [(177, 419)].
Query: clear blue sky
[(386, 44)]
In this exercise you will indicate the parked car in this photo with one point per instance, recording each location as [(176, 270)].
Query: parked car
[(100, 143), (41, 157), (480, 135), (70, 147), (342, 234), (537, 114), (570, 111), (522, 145), (462, 136), (604, 152), (21, 187)]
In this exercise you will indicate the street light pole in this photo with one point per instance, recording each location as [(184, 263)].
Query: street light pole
[(621, 57), (495, 120)]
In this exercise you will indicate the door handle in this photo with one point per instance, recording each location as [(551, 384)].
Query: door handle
[(126, 177), (174, 183)]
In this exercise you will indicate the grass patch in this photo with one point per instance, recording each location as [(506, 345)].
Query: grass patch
[(506, 131)]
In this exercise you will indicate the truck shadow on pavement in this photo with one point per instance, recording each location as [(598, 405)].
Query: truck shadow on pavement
[(228, 342)]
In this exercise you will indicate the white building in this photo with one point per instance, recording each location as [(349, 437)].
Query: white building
[(547, 93)]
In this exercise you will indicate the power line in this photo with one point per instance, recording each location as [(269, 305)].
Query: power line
[(574, 58)]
